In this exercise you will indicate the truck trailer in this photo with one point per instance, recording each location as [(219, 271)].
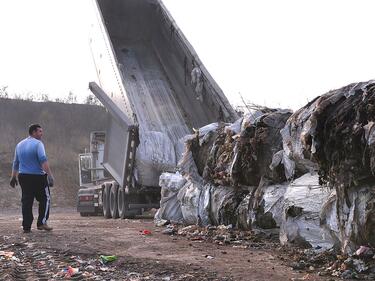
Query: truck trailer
[(156, 91)]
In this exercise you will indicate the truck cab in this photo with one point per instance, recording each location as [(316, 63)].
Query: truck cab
[(91, 177)]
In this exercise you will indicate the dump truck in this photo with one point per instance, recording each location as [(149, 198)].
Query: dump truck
[(156, 91)]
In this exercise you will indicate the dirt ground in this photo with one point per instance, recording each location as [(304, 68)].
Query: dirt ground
[(79, 241)]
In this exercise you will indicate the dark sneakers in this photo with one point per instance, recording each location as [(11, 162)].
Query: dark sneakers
[(27, 231), (44, 227)]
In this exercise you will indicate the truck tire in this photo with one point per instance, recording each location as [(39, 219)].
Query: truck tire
[(113, 201), (121, 203), (106, 207)]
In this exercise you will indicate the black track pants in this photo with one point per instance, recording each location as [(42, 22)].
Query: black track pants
[(34, 186)]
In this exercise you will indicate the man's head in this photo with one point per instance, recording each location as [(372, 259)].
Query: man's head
[(36, 131)]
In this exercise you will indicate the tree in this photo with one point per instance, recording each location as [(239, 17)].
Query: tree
[(92, 100), (72, 98), (44, 97), (4, 92)]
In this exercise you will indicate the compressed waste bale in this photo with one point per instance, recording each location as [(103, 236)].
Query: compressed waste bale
[(189, 198), (252, 161), (223, 205), (346, 151), (243, 213), (334, 134), (218, 163), (268, 210), (202, 144), (303, 201), (356, 218), (242, 159), (170, 208), (155, 154)]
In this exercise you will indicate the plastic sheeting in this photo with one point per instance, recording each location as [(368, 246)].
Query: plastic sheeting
[(300, 224), (207, 205), (224, 203), (269, 208), (354, 223), (170, 208), (155, 154), (189, 198)]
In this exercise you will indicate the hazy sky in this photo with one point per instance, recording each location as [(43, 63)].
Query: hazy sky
[(275, 53)]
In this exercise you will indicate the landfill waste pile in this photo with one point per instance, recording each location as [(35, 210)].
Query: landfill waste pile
[(334, 136), (24, 259), (309, 173), (221, 164), (360, 265), (226, 235)]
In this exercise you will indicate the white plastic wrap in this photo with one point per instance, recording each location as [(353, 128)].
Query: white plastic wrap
[(273, 201), (356, 218), (370, 133), (251, 118), (223, 205), (170, 209), (189, 198), (235, 127), (204, 207), (303, 201), (208, 128)]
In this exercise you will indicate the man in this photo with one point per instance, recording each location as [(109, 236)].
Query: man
[(34, 175)]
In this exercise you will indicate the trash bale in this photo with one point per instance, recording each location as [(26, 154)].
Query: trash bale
[(356, 218), (170, 208), (155, 154), (301, 134), (303, 201), (224, 203), (243, 215), (189, 197), (218, 162), (205, 205), (334, 134), (237, 159), (345, 137), (187, 165), (329, 219), (346, 158), (202, 143), (266, 213)]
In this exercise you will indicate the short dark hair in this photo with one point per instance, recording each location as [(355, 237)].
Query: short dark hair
[(33, 128)]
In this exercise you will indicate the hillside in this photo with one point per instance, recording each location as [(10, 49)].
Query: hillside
[(66, 134)]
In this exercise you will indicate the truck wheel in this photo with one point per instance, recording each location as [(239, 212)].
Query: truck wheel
[(113, 201), (121, 203), (106, 207)]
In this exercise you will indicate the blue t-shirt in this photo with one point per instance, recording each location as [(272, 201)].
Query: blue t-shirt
[(29, 157)]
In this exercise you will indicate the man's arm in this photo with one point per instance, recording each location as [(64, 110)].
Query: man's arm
[(44, 163), (15, 169), (46, 168)]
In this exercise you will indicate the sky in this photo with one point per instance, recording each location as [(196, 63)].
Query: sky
[(274, 53)]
